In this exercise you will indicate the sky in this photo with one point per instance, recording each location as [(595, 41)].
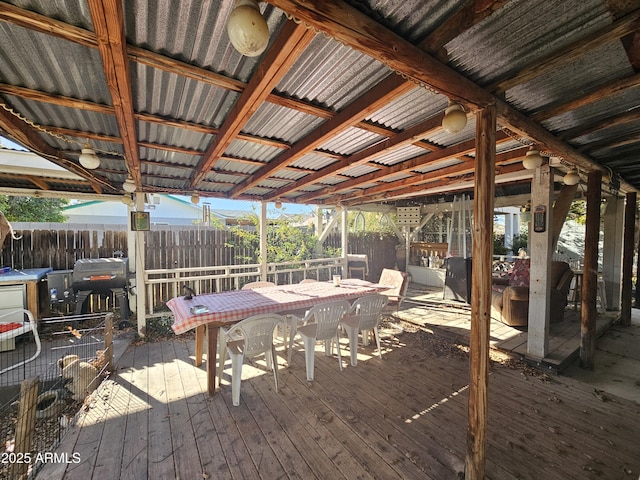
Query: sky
[(226, 204), (217, 203)]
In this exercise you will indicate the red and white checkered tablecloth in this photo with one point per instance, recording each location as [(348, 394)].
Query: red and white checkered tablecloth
[(230, 307)]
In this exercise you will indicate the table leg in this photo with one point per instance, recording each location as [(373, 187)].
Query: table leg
[(212, 347), (200, 329)]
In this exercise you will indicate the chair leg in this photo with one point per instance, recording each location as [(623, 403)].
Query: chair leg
[(274, 364), (290, 346), (309, 356), (352, 333), (328, 347), (236, 377), (339, 354), (377, 335)]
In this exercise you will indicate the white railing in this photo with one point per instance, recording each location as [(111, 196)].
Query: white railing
[(169, 281)]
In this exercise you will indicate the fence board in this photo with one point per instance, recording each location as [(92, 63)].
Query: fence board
[(168, 248)]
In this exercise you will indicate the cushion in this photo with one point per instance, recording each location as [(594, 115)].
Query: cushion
[(520, 273), (7, 327)]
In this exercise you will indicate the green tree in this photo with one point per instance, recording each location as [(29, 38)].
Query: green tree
[(370, 222), (578, 212), (31, 209), (285, 242)]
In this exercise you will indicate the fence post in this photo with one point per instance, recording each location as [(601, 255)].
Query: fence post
[(108, 341), (25, 426)]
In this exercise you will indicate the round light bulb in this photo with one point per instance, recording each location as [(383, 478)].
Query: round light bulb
[(89, 159), (454, 119), (128, 185), (247, 28), (572, 177), (195, 198), (278, 204), (532, 160), (127, 200)]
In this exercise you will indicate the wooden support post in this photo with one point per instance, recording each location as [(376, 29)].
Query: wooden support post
[(627, 261), (540, 261), (263, 244), (344, 240), (25, 425), (613, 228), (138, 252), (481, 292), (590, 271), (108, 342)]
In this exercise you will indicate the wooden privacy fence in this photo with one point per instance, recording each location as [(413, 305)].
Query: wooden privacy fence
[(60, 245)]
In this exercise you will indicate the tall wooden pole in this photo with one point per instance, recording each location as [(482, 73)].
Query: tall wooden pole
[(481, 292), (590, 271), (627, 259)]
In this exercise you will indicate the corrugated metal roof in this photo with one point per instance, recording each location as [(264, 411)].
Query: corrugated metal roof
[(173, 97), (611, 105), (291, 125), (252, 151), (413, 107), (77, 74), (329, 73), (235, 166), (350, 141), (400, 155), (313, 161), (602, 65), (412, 19), (524, 31)]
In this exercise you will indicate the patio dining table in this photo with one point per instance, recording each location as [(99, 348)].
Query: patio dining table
[(217, 310)]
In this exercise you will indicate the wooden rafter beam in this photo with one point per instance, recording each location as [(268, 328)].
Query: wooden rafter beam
[(407, 167), (463, 180), (584, 46), (38, 182), (620, 141), (609, 122), (599, 93), (353, 28), (390, 88), (468, 14), (287, 47), (395, 142), (108, 23), (31, 139), (46, 25), (40, 23), (504, 164)]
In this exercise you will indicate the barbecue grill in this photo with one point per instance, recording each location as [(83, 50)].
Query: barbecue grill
[(91, 275)]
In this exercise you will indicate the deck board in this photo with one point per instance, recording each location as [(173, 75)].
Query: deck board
[(452, 319), (160, 462), (401, 417)]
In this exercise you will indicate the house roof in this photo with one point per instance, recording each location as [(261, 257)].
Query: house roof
[(344, 106)]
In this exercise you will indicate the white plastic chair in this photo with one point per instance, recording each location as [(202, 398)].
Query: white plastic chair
[(365, 314), (29, 325), (319, 323), (254, 285), (251, 337)]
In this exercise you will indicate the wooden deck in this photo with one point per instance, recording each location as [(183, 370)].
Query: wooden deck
[(401, 417), (453, 319)]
